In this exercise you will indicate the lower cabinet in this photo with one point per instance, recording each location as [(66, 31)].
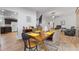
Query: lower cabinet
[(6, 30)]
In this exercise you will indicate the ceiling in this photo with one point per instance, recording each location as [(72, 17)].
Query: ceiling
[(8, 13), (46, 11), (57, 11)]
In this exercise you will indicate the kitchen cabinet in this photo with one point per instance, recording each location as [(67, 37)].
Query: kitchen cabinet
[(6, 30)]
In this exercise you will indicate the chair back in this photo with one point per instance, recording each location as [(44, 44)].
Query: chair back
[(26, 39), (56, 36), (28, 30)]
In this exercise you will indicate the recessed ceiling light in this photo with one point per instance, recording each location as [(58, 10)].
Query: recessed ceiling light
[(2, 10), (53, 16)]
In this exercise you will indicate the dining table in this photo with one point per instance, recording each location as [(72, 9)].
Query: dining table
[(41, 36)]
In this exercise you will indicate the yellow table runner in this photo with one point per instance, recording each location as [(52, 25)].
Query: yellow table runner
[(38, 31), (48, 33), (33, 34)]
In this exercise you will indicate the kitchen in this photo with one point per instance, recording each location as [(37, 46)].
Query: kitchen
[(8, 21)]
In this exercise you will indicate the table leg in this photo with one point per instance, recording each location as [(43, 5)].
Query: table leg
[(43, 46)]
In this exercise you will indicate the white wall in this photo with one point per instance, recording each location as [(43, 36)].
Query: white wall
[(22, 16), (46, 20), (14, 26), (1, 20), (70, 20)]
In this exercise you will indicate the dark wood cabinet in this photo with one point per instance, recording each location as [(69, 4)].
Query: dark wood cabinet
[(2, 30), (9, 20), (6, 30)]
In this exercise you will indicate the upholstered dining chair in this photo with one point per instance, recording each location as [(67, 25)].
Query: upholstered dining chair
[(54, 44)]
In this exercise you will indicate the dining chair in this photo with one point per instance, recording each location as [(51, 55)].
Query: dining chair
[(29, 44), (54, 44)]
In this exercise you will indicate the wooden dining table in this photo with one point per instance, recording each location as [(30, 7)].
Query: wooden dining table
[(40, 36)]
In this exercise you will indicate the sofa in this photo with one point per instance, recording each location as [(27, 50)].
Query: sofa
[(58, 27), (70, 32)]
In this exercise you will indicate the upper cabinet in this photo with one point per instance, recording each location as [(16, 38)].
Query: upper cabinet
[(9, 20)]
